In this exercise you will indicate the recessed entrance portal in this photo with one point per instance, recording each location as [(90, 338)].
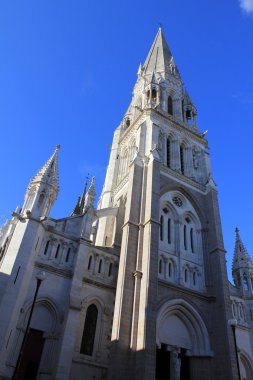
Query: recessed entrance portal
[(172, 363), (30, 360), (162, 363), (181, 338)]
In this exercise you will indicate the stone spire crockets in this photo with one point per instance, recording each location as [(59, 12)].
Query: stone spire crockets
[(43, 188), (48, 174), (242, 267)]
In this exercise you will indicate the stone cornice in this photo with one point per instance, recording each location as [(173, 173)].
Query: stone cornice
[(57, 271), (99, 284), (178, 126), (165, 170), (189, 292)]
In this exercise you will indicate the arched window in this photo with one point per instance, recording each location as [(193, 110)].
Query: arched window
[(67, 256), (90, 262), (161, 227), (46, 247), (185, 238), (127, 122), (110, 270), (169, 231), (169, 269), (168, 153), (41, 199), (192, 240), (245, 283), (57, 251), (153, 95), (160, 266), (185, 275), (182, 159), (148, 95), (188, 117), (170, 105), (89, 331), (183, 109), (194, 278), (100, 266)]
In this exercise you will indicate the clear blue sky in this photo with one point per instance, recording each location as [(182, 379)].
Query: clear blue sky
[(67, 69)]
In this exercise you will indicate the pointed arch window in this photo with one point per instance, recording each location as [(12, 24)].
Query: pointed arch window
[(194, 278), (185, 275), (154, 94), (46, 247), (160, 266), (89, 330), (185, 238), (170, 105), (169, 231), (41, 200), (189, 117), (110, 270), (90, 262), (161, 228), (245, 283), (68, 253), (182, 159), (170, 269), (168, 153), (100, 266), (57, 251), (192, 240)]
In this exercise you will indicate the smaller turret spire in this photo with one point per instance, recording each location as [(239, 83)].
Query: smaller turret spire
[(91, 194), (87, 199), (241, 258), (48, 174), (43, 188)]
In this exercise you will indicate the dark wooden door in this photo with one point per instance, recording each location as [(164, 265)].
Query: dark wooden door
[(32, 353), (162, 363), (185, 366)]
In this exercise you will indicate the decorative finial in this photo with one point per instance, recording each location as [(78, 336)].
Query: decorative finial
[(57, 147), (237, 230), (160, 25)]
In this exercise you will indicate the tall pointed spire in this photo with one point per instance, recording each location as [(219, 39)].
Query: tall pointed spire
[(160, 59), (48, 174), (241, 258)]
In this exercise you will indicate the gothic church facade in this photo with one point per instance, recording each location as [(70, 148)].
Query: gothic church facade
[(137, 288)]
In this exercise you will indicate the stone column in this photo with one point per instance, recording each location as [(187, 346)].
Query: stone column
[(175, 364), (122, 354)]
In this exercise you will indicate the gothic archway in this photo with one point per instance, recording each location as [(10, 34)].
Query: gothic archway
[(40, 347), (245, 366), (181, 335)]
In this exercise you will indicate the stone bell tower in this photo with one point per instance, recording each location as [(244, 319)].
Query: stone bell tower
[(172, 300)]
